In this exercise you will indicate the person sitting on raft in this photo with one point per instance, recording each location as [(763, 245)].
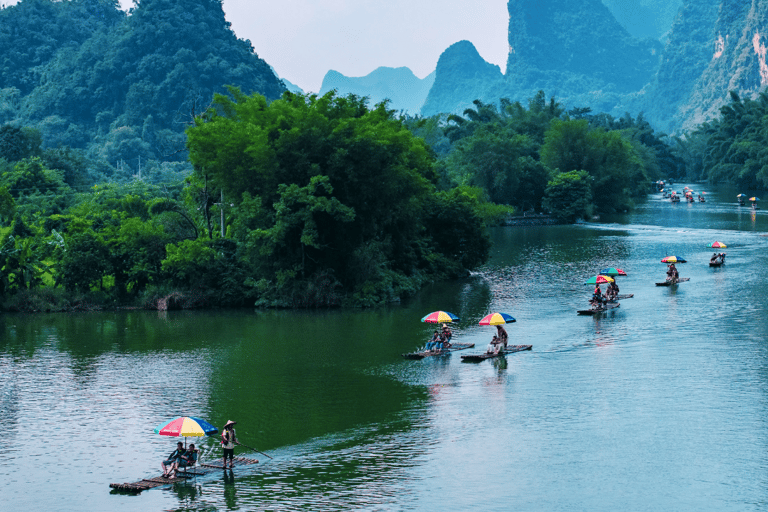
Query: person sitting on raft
[(612, 292), (172, 458), (672, 273), (722, 257), (501, 332), (714, 258), (446, 335), (189, 458), (494, 346), (597, 297), (433, 343)]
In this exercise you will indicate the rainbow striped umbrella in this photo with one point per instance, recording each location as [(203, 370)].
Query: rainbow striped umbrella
[(753, 199), (673, 259), (186, 426), (497, 319), (612, 271), (717, 245), (440, 317), (599, 279)]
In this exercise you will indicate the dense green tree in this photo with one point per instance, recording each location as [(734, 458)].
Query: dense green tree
[(321, 183), (19, 143), (569, 195), (735, 149), (611, 161)]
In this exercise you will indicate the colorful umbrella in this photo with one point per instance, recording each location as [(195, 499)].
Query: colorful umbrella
[(497, 319), (754, 198), (741, 195), (599, 279), (717, 245), (612, 271), (439, 317), (673, 259), (186, 426)]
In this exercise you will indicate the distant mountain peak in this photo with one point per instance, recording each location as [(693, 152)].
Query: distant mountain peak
[(404, 90), (461, 77)]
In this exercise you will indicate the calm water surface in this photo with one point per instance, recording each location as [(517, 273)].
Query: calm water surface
[(660, 404)]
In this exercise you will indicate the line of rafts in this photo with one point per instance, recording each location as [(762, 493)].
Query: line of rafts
[(688, 195), (602, 302), (441, 343), (741, 200), (692, 197)]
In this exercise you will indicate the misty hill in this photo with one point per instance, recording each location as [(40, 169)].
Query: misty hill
[(123, 88), (572, 49), (461, 77), (578, 52), (405, 90)]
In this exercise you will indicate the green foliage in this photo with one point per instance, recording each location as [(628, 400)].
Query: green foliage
[(611, 161), (85, 263), (568, 195), (31, 176), (19, 143), (122, 89), (319, 182), (734, 148)]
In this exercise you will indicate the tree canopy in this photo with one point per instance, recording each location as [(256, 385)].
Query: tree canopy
[(331, 189)]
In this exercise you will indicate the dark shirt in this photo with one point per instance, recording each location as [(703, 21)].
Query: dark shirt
[(175, 454)]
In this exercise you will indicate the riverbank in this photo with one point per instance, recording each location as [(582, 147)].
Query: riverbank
[(536, 219)]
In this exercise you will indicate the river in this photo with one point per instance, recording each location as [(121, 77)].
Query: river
[(660, 404)]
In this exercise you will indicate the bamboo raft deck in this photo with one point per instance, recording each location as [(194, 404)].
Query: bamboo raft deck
[(670, 283), (601, 309), (511, 349), (182, 476), (426, 353)]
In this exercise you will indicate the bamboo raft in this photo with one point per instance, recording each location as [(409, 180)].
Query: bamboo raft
[(670, 283), (601, 309), (182, 476), (511, 349), (426, 353)]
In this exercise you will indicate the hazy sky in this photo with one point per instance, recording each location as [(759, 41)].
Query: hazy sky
[(303, 39)]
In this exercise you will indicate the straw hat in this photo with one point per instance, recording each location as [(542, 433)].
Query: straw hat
[(230, 422)]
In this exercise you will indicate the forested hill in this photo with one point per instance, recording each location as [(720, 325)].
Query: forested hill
[(121, 86)]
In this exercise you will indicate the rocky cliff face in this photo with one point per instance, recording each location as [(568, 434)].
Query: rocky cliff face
[(405, 90), (715, 46), (461, 77), (736, 48), (690, 48), (645, 19), (576, 51), (578, 42)]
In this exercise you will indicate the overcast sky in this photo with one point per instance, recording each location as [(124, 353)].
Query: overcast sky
[(303, 39)]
